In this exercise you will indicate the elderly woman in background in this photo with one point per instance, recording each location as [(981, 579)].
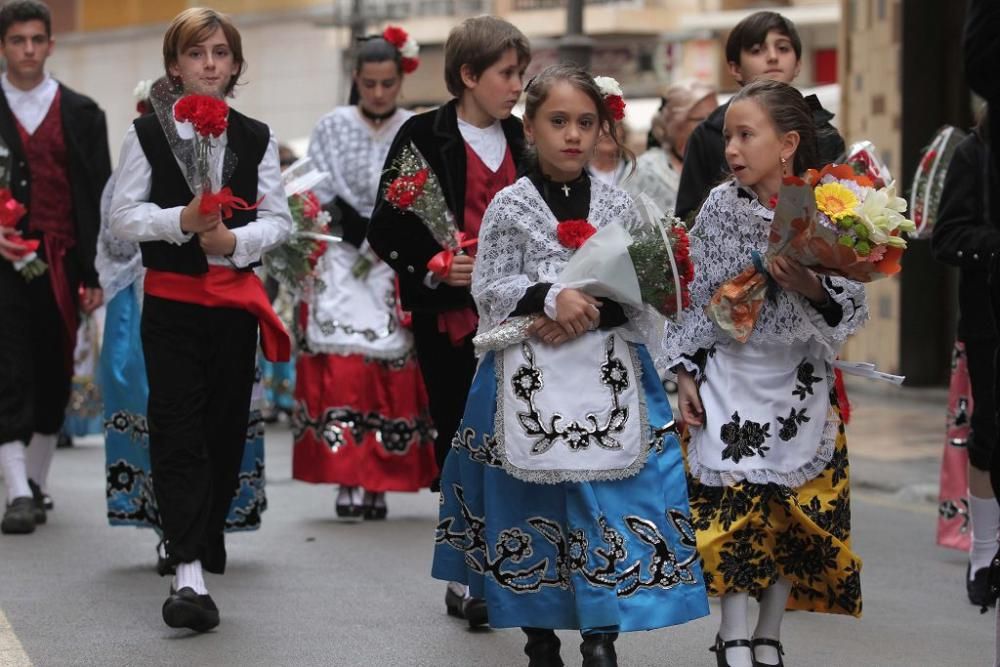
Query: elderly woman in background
[(658, 170)]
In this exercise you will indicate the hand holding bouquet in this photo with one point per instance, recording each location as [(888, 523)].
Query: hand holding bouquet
[(28, 263), (834, 221)]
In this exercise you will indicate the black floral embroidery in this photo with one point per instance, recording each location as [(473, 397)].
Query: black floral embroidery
[(804, 379), (396, 436), (485, 454), (790, 425), (744, 440)]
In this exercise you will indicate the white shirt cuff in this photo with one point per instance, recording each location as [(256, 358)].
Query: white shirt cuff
[(550, 300)]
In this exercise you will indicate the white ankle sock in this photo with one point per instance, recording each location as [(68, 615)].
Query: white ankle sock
[(189, 575), (734, 625), (38, 458), (12, 464), (985, 515), (772, 610)]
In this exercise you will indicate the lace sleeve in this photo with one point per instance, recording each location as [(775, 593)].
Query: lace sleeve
[(851, 297), (498, 278)]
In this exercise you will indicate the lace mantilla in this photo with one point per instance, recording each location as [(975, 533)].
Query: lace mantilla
[(118, 262), (732, 224), (353, 153), (518, 246)]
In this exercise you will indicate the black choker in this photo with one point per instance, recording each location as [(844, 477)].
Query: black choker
[(566, 188), (376, 118)]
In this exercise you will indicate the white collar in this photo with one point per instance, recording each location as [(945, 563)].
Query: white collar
[(10, 89)]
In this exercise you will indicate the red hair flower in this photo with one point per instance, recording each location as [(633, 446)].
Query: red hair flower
[(616, 105), (406, 45), (395, 36), (574, 233)]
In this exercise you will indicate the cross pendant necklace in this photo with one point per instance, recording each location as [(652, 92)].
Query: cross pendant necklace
[(565, 189)]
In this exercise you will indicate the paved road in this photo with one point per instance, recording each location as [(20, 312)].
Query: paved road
[(306, 590)]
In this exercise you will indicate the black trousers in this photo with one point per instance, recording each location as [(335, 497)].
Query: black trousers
[(979, 356), (200, 363), (35, 377), (447, 371)]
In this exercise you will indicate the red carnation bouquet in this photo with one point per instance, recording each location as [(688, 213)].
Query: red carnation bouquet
[(28, 263), (416, 189)]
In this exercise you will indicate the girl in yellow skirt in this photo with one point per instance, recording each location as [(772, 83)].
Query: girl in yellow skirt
[(767, 456)]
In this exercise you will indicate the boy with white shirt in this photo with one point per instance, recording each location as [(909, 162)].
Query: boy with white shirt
[(59, 162), (474, 147)]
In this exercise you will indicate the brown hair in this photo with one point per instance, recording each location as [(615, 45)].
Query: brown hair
[(22, 11), (479, 42), (537, 91), (788, 112), (194, 25)]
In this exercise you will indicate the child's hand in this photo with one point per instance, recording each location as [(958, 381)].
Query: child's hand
[(688, 399), (195, 222), (548, 331), (460, 274), (794, 277), (8, 249), (218, 241), (577, 312)]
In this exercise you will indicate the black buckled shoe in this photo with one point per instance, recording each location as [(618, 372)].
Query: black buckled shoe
[(187, 609), (978, 588), (721, 646), (39, 499), (19, 517), (764, 641), (542, 648), (598, 650)]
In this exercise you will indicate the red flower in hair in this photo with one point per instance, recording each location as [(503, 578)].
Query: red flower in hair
[(616, 105), (395, 36), (574, 233), (409, 65), (209, 115)]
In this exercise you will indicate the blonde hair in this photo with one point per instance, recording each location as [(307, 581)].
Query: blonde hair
[(479, 42), (194, 25), (679, 99)]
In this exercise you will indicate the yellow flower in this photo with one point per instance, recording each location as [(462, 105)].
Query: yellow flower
[(835, 200)]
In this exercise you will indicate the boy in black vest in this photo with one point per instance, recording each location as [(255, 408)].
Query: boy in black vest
[(764, 45), (57, 143), (202, 304), (485, 59)]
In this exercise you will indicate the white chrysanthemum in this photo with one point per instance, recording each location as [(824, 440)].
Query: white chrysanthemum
[(608, 86), (143, 89), (323, 218), (410, 48)]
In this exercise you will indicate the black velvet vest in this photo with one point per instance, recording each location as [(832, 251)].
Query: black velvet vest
[(247, 138)]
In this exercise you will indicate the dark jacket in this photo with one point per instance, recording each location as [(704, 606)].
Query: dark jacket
[(399, 237), (965, 237), (86, 134), (981, 43), (705, 155)]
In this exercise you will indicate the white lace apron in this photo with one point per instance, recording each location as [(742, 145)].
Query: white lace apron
[(571, 413)]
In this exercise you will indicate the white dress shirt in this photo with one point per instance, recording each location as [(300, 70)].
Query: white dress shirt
[(134, 218), (489, 143), (30, 106)]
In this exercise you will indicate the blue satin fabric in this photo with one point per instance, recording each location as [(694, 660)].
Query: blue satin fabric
[(130, 497), (613, 554)]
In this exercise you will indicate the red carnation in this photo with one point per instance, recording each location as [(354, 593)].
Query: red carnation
[(310, 205), (209, 115), (409, 65), (616, 105), (574, 233), (395, 36)]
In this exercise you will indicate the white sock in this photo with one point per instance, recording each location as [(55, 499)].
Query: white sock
[(344, 495), (734, 625), (38, 457), (985, 515), (772, 610), (189, 575), (14, 474)]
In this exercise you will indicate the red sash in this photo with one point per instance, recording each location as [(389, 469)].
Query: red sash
[(224, 288)]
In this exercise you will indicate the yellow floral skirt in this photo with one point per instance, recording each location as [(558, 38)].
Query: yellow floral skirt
[(749, 535)]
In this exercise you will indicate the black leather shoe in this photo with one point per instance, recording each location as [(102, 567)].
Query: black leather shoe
[(375, 512), (475, 613), (599, 650), (453, 600), (721, 646), (19, 517), (38, 498), (187, 609), (764, 641), (978, 588), (542, 648)]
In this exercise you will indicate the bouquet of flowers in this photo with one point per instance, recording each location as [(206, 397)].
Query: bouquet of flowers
[(662, 259), (833, 221), (293, 262), (28, 264), (928, 182), (416, 189)]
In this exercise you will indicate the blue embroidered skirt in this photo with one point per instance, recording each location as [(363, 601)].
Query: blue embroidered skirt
[(611, 554), (130, 497)]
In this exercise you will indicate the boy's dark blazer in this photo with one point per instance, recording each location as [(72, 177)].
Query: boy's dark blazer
[(86, 134), (399, 237)]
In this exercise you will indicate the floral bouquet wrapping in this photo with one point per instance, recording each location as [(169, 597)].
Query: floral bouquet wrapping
[(416, 189), (928, 182), (834, 222), (28, 264), (293, 262)]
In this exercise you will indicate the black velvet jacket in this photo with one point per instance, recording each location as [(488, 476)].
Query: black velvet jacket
[(399, 237), (86, 134)]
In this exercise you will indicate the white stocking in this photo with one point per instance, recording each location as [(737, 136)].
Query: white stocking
[(772, 610), (985, 515), (734, 625), (38, 456), (15, 476), (189, 575)]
